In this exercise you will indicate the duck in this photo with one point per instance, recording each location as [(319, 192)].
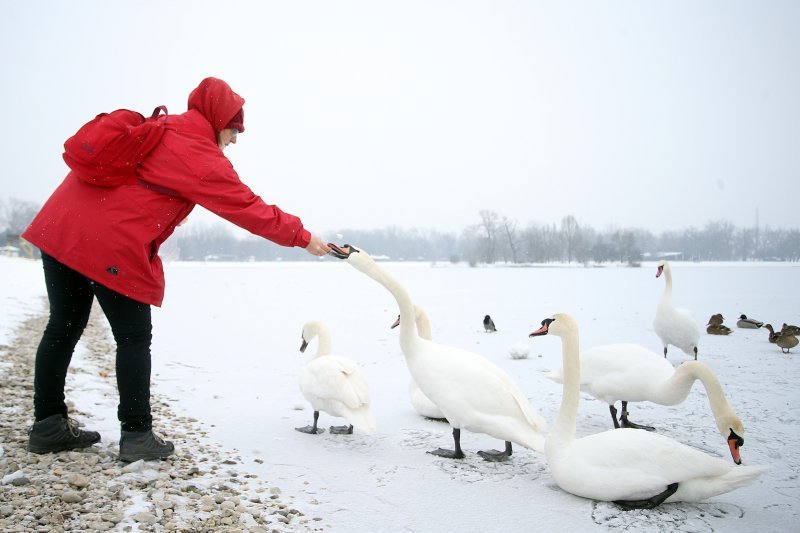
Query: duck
[(674, 325), (716, 327), (421, 403), (488, 324), (786, 341), (773, 335), (748, 323), (472, 393), (632, 468), (333, 384), (629, 372)]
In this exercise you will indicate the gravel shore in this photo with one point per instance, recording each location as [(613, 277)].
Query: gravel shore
[(200, 488)]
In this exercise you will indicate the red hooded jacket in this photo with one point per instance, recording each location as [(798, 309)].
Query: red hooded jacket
[(112, 234)]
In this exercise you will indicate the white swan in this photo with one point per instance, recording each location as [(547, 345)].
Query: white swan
[(635, 469), (675, 326), (632, 373), (471, 392), (333, 384), (421, 403)]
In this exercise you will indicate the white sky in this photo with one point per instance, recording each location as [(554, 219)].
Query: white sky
[(367, 114)]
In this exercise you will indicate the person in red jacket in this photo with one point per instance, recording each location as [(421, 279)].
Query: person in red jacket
[(102, 242)]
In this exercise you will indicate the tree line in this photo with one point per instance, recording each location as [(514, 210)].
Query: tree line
[(492, 239)]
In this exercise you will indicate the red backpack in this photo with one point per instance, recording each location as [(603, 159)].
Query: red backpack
[(107, 150)]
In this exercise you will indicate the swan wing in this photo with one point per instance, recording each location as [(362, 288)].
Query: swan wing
[(630, 464), (335, 378)]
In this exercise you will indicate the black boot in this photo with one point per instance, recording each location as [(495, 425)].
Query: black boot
[(56, 433), (136, 445)]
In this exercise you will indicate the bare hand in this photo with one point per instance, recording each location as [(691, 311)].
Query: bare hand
[(317, 246)]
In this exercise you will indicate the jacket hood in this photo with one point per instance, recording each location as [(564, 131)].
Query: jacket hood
[(216, 101)]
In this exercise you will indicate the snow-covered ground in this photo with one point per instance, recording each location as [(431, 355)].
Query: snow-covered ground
[(226, 352)]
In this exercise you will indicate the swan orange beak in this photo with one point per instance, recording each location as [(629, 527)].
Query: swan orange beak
[(341, 252), (734, 443), (396, 322), (542, 330)]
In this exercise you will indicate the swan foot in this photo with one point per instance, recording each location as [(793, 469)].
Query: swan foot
[(436, 419), (649, 503), (494, 456), (447, 454), (624, 422), (311, 430), (341, 430), (497, 456)]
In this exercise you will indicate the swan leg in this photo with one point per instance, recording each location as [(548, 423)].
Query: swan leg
[(613, 411), (649, 503), (665, 351), (342, 430), (312, 430), (496, 456), (695, 353), (451, 454), (624, 422)]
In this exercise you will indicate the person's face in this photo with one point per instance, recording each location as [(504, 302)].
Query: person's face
[(226, 137)]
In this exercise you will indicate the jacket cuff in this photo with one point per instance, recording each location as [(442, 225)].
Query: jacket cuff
[(303, 238)]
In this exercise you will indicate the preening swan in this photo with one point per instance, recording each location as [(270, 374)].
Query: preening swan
[(632, 373), (471, 392), (333, 384), (674, 326), (635, 469), (421, 403)]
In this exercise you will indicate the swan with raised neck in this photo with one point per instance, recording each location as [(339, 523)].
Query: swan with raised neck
[(673, 325), (471, 392)]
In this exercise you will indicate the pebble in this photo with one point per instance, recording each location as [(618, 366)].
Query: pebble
[(90, 490)]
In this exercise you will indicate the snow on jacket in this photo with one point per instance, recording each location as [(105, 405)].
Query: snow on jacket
[(112, 234)]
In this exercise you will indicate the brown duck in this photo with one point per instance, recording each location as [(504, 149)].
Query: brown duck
[(772, 335), (786, 341), (716, 327)]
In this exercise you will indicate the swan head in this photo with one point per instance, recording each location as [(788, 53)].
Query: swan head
[(309, 333), (360, 259), (560, 324), (660, 268)]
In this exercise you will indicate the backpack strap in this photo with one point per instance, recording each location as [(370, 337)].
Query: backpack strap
[(157, 111)]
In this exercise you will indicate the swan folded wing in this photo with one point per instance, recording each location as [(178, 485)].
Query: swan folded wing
[(630, 464), (336, 378)]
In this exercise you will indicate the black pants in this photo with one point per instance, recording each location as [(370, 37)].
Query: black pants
[(71, 296)]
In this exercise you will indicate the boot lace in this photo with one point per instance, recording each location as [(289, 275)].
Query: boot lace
[(72, 425)]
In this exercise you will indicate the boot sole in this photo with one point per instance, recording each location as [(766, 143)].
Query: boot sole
[(56, 449), (131, 458)]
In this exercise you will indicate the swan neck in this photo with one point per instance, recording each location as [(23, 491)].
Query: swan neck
[(408, 319), (324, 344), (564, 427), (716, 396)]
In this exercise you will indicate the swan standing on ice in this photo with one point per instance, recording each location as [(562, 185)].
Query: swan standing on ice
[(471, 392), (632, 373), (421, 403), (333, 384), (635, 469), (674, 326)]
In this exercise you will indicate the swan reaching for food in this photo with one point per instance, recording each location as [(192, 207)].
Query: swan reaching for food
[(635, 469), (333, 384), (632, 373), (673, 325), (471, 392), (421, 403)]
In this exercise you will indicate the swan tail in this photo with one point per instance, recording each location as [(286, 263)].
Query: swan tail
[(698, 489)]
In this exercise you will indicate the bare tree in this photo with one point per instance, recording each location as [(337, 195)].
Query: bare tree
[(571, 233), (509, 228), (489, 228), (16, 215)]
